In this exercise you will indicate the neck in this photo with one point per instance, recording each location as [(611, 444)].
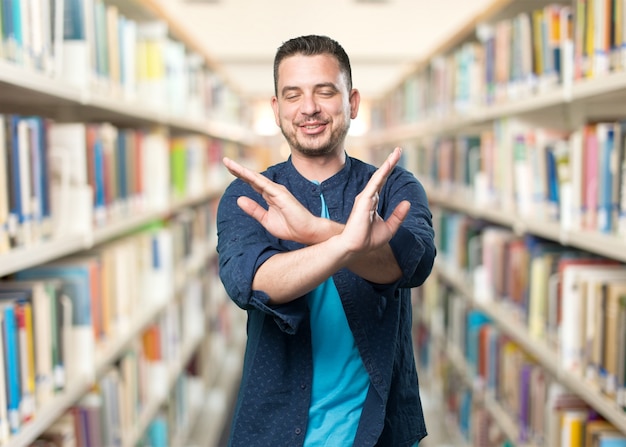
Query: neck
[(318, 168)]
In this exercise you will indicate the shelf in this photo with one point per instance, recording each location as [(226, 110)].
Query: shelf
[(109, 352), (182, 436), (48, 414), (610, 246), (19, 86), (442, 431), (106, 354), (131, 223), (499, 414), (503, 420), (150, 410), (40, 252), (451, 96), (45, 251), (590, 89), (601, 97), (26, 91), (544, 355), (465, 203), (52, 96), (219, 399)]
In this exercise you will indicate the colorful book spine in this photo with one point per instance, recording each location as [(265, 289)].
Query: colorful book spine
[(10, 333)]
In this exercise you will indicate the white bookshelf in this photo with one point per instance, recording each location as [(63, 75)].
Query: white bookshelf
[(504, 317), (565, 106), (28, 92)]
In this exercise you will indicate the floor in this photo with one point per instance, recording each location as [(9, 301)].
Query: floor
[(439, 433)]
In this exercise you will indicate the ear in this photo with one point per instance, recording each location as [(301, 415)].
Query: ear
[(276, 110), (355, 100)]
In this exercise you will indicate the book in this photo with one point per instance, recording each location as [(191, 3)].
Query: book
[(4, 418), (23, 314), (619, 184), (553, 184), (594, 428), (540, 382), (41, 295), (4, 189), (158, 431), (611, 440), (566, 43), (151, 77), (607, 203), (39, 192), (20, 217), (522, 173), (74, 55), (112, 390), (61, 433), (591, 157), (76, 285), (595, 285), (574, 310), (579, 40), (89, 408), (128, 62), (541, 307), (572, 427), (614, 337), (70, 195), (155, 160), (572, 218), (12, 364), (112, 20)]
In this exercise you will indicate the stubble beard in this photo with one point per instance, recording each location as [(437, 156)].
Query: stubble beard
[(336, 139)]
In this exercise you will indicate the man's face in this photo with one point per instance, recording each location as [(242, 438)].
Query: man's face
[(313, 106)]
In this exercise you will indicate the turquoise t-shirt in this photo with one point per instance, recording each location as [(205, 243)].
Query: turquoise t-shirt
[(340, 381)]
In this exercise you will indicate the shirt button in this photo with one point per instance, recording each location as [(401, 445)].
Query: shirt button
[(303, 386), (298, 430)]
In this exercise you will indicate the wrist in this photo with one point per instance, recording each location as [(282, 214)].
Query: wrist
[(321, 230)]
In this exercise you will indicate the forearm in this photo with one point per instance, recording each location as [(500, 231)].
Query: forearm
[(290, 275), (378, 266)]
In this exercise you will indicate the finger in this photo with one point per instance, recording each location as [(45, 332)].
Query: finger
[(392, 160), (379, 177), (251, 208), (240, 171), (259, 182), (397, 217)]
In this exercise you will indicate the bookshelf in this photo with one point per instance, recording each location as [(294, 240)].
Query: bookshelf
[(514, 126), (113, 125)]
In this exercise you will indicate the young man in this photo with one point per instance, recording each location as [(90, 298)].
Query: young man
[(322, 250)]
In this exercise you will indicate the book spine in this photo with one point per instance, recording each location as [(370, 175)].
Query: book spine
[(12, 368)]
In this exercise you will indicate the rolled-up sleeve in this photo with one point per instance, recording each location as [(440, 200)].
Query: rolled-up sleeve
[(243, 246), (413, 244)]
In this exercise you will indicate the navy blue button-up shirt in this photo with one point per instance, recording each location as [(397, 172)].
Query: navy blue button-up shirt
[(274, 396)]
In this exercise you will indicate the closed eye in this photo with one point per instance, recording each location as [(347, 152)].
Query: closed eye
[(327, 93)]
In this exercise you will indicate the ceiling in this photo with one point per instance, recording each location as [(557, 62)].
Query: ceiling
[(383, 38)]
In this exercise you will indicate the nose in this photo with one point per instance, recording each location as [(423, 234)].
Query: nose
[(309, 105)]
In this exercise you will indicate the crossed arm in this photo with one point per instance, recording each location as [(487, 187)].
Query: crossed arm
[(361, 245)]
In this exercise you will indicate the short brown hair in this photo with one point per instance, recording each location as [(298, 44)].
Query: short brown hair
[(313, 45)]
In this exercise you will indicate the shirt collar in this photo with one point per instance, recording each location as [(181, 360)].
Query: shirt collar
[(339, 178)]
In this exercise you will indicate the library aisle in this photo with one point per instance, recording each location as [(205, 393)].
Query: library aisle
[(439, 434)]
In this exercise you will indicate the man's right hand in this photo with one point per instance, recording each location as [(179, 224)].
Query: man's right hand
[(285, 217)]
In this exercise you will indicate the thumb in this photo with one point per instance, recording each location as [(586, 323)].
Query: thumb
[(397, 217), (251, 208)]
